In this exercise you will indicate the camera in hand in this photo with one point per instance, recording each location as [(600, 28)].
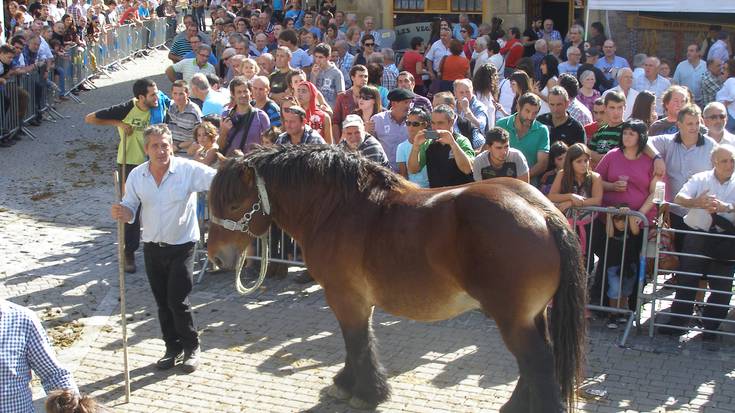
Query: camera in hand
[(431, 134)]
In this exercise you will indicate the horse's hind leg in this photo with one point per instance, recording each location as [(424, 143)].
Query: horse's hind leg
[(363, 376), (537, 389)]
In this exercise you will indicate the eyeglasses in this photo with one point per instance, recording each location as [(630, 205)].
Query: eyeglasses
[(414, 124), (463, 31), (369, 44), (713, 117), (366, 97)]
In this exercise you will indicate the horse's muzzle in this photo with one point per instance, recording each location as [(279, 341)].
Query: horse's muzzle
[(226, 258)]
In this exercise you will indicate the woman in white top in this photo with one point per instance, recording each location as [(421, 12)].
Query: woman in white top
[(485, 85), (481, 55), (549, 76)]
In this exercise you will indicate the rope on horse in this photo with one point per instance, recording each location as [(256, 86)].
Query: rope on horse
[(264, 252)]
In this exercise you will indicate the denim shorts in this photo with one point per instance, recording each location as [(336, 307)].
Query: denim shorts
[(613, 282)]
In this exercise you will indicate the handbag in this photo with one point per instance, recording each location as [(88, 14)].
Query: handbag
[(666, 262)]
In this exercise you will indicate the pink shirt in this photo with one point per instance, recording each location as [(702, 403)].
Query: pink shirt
[(639, 172)]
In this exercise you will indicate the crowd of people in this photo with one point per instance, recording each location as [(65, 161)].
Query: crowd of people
[(475, 102)]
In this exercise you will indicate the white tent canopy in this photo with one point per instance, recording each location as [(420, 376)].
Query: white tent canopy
[(677, 6)]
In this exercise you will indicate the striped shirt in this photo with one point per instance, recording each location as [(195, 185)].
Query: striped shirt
[(182, 121), (272, 110), (26, 347), (369, 148)]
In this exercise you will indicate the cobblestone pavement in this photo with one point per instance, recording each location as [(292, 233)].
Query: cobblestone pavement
[(277, 351)]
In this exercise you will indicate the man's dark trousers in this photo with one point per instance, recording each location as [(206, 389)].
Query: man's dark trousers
[(170, 270)]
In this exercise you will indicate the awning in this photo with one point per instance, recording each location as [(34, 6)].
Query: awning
[(690, 6)]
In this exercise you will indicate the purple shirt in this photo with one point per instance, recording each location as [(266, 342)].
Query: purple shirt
[(259, 124)]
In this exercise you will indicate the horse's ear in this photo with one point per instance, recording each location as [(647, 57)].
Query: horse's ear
[(248, 176)]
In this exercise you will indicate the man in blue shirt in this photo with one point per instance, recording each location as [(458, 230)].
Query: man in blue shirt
[(26, 347), (610, 62), (463, 19), (195, 42), (299, 58)]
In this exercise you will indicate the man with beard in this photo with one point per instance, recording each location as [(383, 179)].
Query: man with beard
[(131, 119), (498, 159), (528, 135), (242, 125)]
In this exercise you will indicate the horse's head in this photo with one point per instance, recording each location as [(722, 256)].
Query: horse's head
[(239, 210)]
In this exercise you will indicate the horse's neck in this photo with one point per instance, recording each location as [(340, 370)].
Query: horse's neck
[(298, 213)]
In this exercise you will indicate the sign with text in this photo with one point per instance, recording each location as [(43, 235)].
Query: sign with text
[(406, 32)]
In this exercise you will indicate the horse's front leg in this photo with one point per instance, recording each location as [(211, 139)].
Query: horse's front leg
[(363, 377)]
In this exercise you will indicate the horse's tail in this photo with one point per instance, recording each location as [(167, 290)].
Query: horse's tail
[(568, 326)]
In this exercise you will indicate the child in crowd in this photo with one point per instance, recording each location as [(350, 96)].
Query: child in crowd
[(621, 263), (269, 137), (557, 152), (204, 149), (67, 401)]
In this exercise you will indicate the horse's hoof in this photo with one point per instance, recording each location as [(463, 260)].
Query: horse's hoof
[(338, 392), (360, 404)]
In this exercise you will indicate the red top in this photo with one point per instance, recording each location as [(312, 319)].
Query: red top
[(469, 47), (590, 129), (410, 59), (514, 49), (455, 67)]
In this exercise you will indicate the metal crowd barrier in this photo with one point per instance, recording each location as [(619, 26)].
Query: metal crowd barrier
[(114, 47), (588, 222), (24, 98), (662, 295)]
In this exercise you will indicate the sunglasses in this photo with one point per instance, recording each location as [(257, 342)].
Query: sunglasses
[(463, 31), (369, 44), (366, 97), (721, 117), (414, 124)]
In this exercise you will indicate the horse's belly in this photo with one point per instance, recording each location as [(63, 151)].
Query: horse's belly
[(428, 308)]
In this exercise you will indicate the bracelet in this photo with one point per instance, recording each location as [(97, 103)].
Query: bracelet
[(657, 156)]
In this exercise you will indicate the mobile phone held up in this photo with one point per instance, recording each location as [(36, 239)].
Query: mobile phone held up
[(431, 134)]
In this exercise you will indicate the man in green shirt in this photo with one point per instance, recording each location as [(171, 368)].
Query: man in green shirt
[(131, 118), (528, 135)]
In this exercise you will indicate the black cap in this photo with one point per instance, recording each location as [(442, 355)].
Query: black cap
[(397, 95), (593, 51)]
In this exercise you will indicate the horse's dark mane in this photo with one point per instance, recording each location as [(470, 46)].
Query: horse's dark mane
[(346, 174), (304, 166)]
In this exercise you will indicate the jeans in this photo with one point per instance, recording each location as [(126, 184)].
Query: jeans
[(170, 271)]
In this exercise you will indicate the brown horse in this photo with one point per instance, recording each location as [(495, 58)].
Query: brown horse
[(371, 238)]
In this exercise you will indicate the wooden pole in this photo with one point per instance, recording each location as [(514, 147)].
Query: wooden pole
[(119, 190), (121, 273)]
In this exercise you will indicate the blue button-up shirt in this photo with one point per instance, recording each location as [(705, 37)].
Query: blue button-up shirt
[(691, 77), (24, 347), (169, 210)]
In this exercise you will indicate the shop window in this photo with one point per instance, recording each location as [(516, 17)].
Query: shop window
[(408, 5), (467, 6)]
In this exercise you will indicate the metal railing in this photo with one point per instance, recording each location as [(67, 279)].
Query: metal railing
[(596, 238), (27, 97), (696, 286)]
